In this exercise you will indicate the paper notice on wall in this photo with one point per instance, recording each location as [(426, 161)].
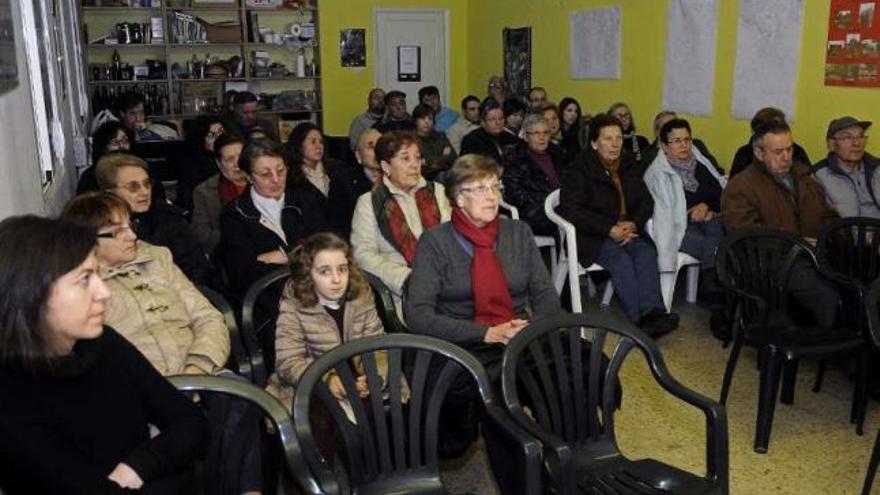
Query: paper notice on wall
[(768, 51), (690, 56), (595, 44)]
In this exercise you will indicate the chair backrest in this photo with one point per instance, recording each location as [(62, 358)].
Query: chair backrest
[(272, 409), (509, 210), (565, 369), (872, 309), (259, 330), (392, 447), (239, 353), (756, 264), (850, 248), (385, 304)]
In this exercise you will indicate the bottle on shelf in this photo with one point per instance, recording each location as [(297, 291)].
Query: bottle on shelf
[(116, 66)]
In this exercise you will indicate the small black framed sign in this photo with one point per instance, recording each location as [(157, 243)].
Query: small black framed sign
[(409, 63)]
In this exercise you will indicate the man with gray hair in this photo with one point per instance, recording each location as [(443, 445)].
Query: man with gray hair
[(848, 172)]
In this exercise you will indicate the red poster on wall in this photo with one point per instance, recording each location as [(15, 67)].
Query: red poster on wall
[(852, 56)]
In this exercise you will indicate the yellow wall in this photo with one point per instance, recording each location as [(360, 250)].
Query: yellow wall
[(344, 88), (641, 82)]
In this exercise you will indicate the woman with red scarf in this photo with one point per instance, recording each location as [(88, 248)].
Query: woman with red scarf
[(212, 195)]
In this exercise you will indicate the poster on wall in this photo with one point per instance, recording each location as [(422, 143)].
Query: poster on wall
[(852, 56), (8, 64), (595, 43), (353, 47), (689, 74), (518, 60), (409, 63)]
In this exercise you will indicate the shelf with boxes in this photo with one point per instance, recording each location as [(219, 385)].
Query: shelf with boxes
[(193, 52)]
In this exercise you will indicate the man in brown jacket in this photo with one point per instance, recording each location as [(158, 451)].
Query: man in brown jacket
[(777, 192)]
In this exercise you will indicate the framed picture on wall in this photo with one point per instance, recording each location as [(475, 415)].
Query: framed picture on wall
[(353, 47), (8, 64), (518, 60), (409, 63)]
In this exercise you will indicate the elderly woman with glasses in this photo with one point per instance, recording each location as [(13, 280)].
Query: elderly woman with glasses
[(686, 188), (156, 222)]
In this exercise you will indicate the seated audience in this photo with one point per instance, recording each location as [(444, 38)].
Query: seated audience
[(537, 99), (531, 172), (745, 154), (604, 196), (260, 227), (437, 152), (573, 127), (497, 89), (489, 140), (368, 173), (467, 122), (847, 174), (778, 192), (389, 220), (686, 188), (109, 137), (131, 113), (156, 222), (514, 111), (245, 117), (444, 117), (396, 118), (632, 142), (78, 399), (375, 112), (198, 163), (213, 194), (324, 179)]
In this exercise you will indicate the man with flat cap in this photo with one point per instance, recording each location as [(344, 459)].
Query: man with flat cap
[(849, 175)]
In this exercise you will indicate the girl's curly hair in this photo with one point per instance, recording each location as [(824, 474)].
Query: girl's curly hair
[(301, 287)]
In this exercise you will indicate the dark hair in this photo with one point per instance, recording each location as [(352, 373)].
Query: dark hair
[(672, 125), (766, 115), (564, 103), (422, 110), (468, 168), (127, 101), (225, 140), (512, 106), (550, 107), (294, 148), (487, 106), (243, 97), (428, 91), (95, 209), (199, 129), (301, 286), (258, 148), (391, 142), (601, 121), (34, 253), (393, 94), (106, 133), (467, 99), (769, 127)]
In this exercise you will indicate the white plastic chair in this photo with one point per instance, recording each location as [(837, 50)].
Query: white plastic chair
[(568, 261), (541, 241), (668, 279)]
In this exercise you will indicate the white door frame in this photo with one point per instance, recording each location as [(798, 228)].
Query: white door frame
[(444, 96)]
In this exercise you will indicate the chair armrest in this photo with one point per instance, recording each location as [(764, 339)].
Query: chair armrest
[(848, 282), (558, 458), (526, 447)]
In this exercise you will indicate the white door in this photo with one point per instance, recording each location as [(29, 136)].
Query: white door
[(427, 29)]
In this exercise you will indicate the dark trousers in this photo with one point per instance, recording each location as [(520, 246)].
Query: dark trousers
[(814, 293), (701, 241), (635, 276)]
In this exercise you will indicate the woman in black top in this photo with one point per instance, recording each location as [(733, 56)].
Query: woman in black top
[(77, 398), (489, 140), (632, 142), (198, 163)]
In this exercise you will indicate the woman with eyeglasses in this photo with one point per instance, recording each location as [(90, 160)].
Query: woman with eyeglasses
[(156, 222), (686, 188), (389, 220), (78, 399), (489, 139), (197, 164), (633, 143), (604, 196)]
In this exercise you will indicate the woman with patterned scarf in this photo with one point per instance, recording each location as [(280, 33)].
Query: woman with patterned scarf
[(389, 220)]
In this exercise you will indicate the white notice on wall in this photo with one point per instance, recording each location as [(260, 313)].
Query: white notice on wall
[(595, 43), (690, 56), (768, 42)]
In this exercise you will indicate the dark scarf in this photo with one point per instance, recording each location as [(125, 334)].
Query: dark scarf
[(492, 302), (545, 163), (613, 169), (392, 221)]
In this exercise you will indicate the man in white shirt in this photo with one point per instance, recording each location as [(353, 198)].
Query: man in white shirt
[(467, 122)]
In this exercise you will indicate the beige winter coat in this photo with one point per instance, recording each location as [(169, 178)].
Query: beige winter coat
[(155, 307)]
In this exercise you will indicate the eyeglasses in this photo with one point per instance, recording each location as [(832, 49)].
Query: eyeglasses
[(678, 141), (269, 174), (215, 135), (135, 186), (850, 138), (484, 190), (119, 141), (621, 115), (116, 233)]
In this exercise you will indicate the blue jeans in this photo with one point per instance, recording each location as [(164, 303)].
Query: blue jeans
[(635, 276), (701, 240)]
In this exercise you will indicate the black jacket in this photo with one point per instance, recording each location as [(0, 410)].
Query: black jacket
[(526, 186), (243, 237), (338, 205), (480, 142), (165, 225), (589, 200), (194, 168)]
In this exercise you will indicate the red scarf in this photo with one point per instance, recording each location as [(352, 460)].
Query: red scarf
[(392, 221), (228, 190), (492, 302)]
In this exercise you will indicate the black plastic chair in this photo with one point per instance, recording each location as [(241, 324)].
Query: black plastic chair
[(393, 448), (272, 409), (872, 310), (755, 266), (568, 402), (258, 330), (240, 355), (385, 304)]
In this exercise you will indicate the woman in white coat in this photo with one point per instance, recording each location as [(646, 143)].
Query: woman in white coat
[(686, 188)]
